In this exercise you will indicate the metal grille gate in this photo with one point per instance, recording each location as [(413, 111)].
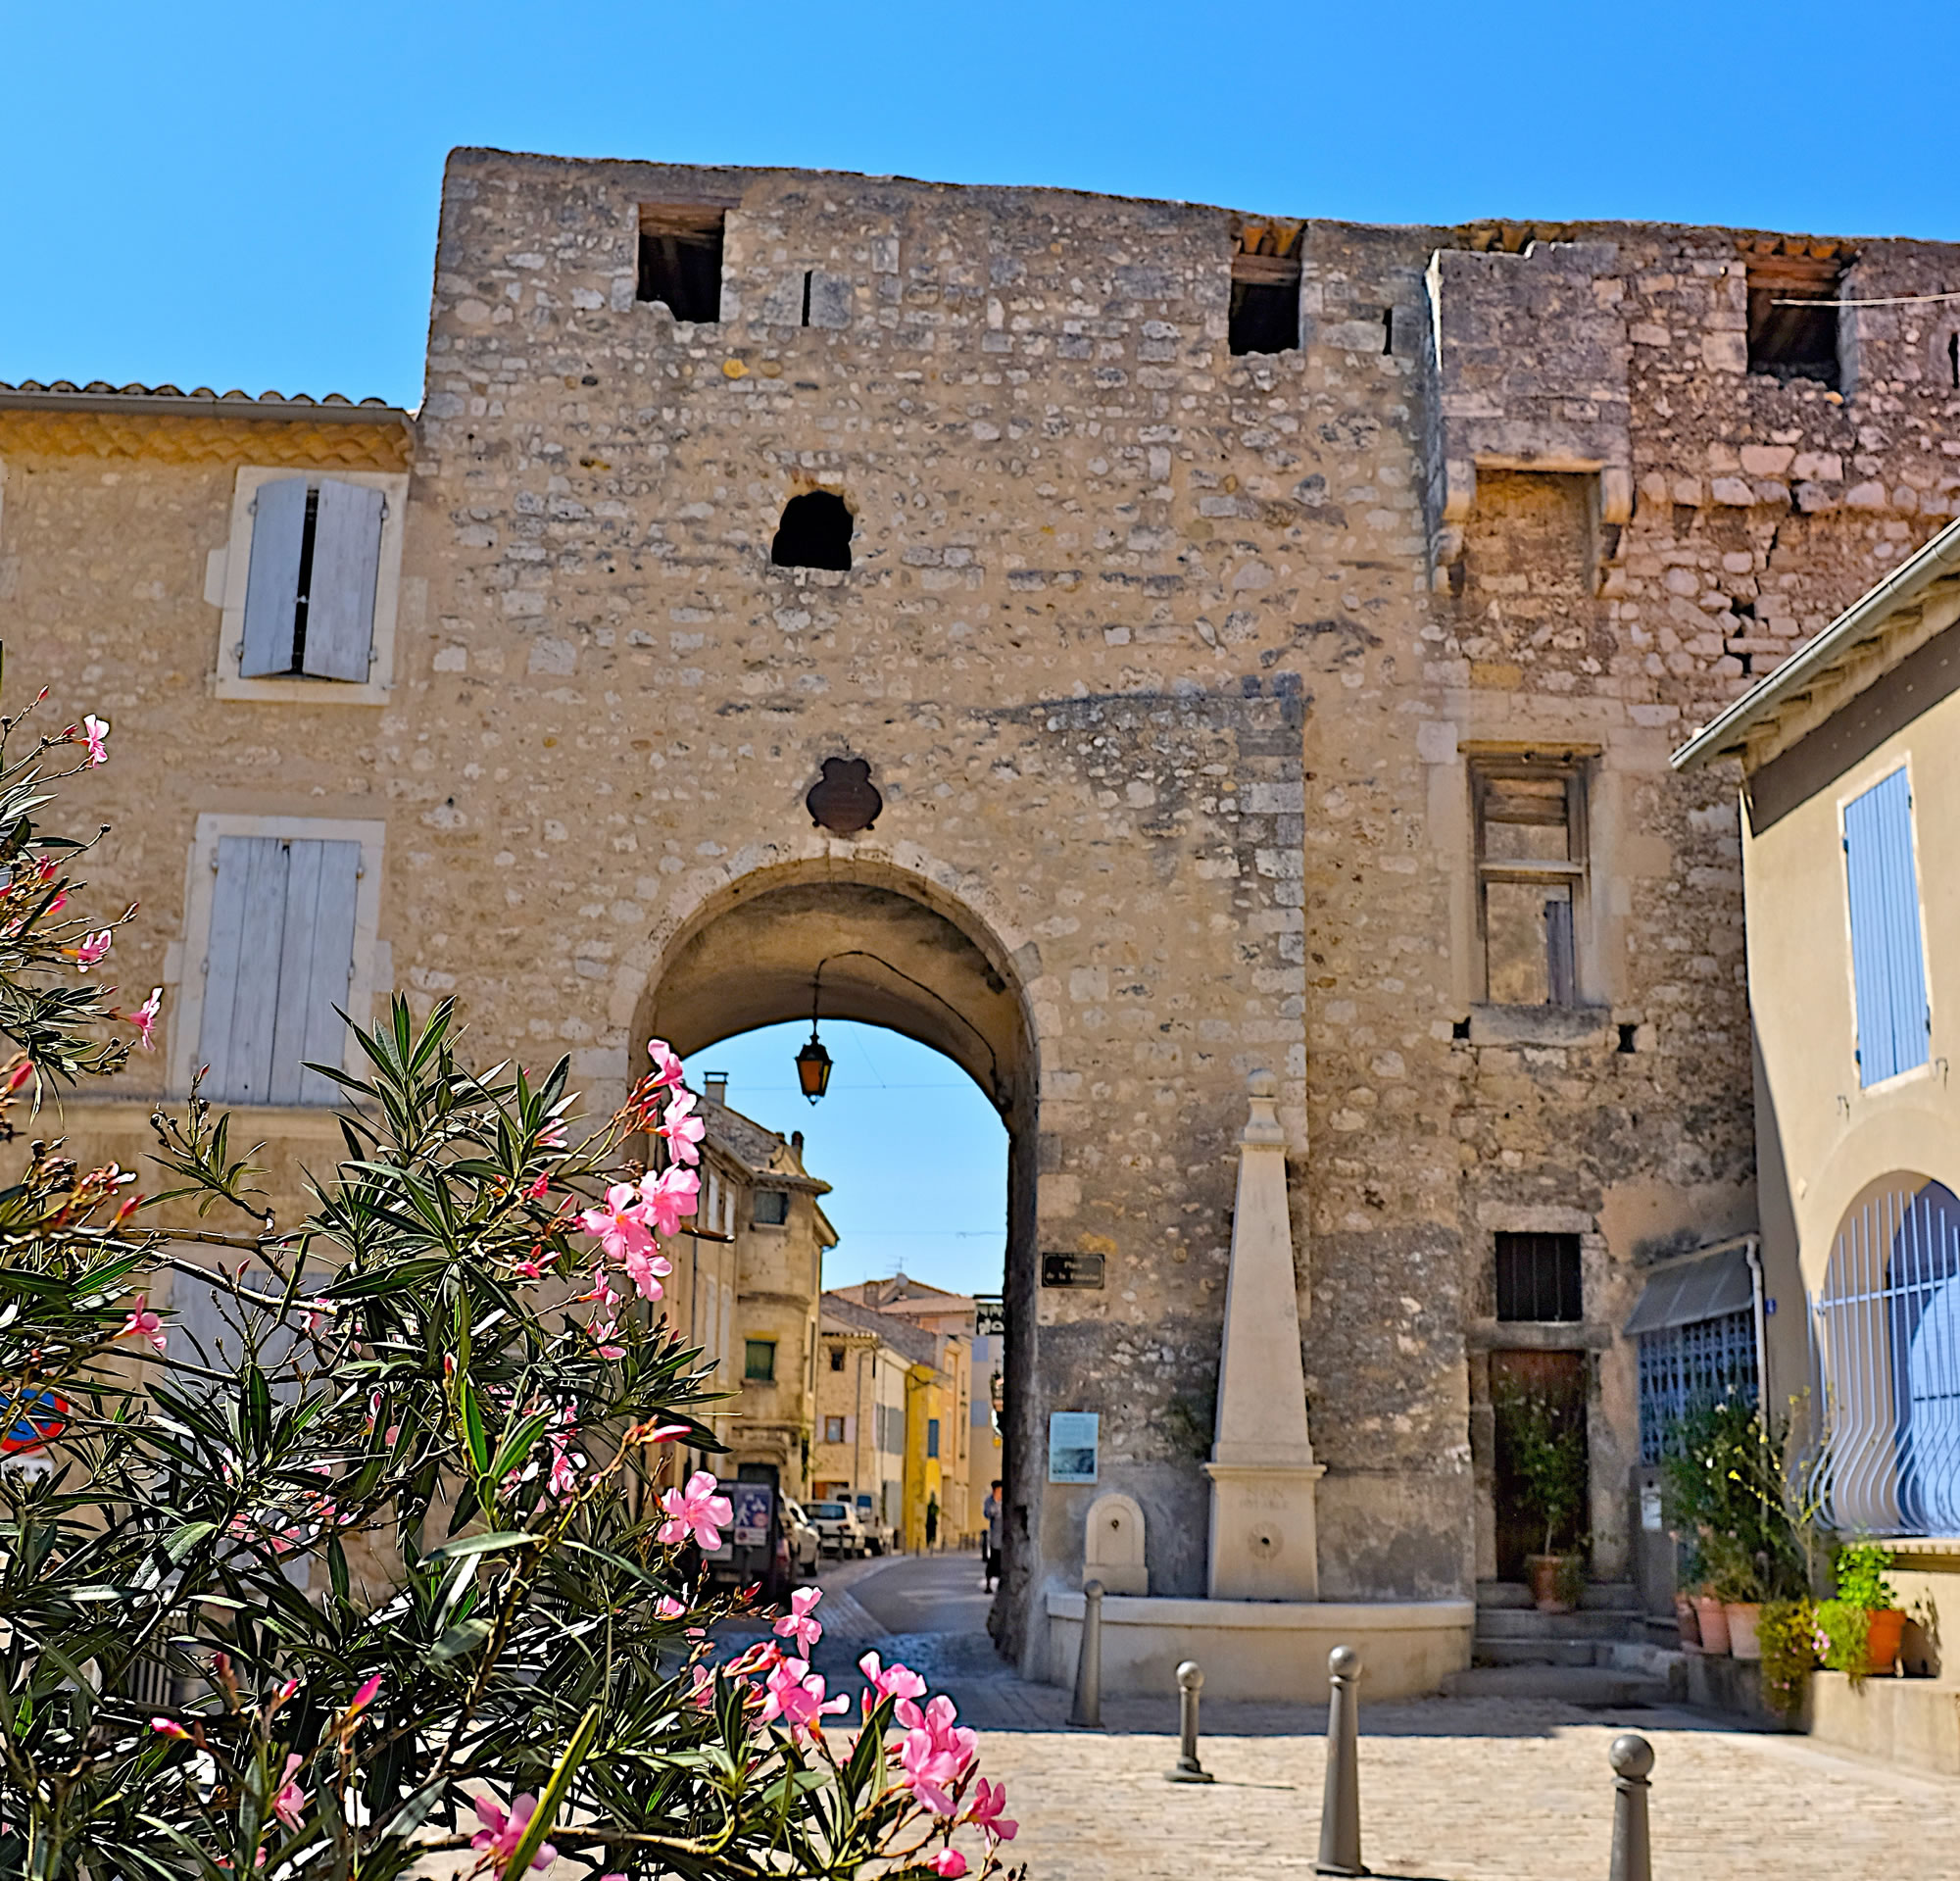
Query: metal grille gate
[(1885, 1343)]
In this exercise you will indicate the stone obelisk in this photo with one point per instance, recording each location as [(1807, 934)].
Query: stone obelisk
[(1263, 1543)]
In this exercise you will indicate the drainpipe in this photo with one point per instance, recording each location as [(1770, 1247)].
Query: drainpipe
[(1753, 1252)]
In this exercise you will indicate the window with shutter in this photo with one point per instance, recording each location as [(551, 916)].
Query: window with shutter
[(310, 590), (1887, 965), (281, 958)]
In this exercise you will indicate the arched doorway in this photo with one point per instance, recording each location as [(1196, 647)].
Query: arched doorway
[(888, 949)]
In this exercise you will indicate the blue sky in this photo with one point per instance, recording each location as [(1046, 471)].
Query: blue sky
[(916, 1157), (246, 195)]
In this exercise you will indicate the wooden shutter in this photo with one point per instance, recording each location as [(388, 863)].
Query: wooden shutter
[(340, 594), (281, 958), (241, 976), (1887, 967), (273, 580), (315, 963)]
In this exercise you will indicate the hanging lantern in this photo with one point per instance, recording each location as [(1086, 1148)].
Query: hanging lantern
[(813, 1068)]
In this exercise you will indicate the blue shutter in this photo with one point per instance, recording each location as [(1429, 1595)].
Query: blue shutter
[(1887, 967), (340, 589), (273, 578)]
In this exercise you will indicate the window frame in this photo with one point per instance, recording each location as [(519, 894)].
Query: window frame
[(185, 959), (1574, 874), (755, 1201), (837, 1422), (230, 568), (750, 1346), (1499, 1237)]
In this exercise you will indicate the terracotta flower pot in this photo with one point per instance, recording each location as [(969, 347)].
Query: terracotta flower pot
[(1689, 1627), (1714, 1623), (1545, 1572), (1886, 1627), (1743, 1615)]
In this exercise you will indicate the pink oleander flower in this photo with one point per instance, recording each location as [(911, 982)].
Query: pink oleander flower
[(363, 1694), (539, 1189), (989, 1800), (647, 1272), (565, 1462), (144, 1018), (94, 732), (552, 1136), (92, 949), (701, 1686), (696, 1511), (935, 1752), (144, 1324), (501, 1833), (169, 1727), (620, 1226), (949, 1864), (529, 1269), (795, 1693), (683, 1129), (667, 1070), (319, 1316), (665, 1198), (893, 1681), (797, 1623), (604, 1332), (284, 1692), (290, 1802), (667, 1608)]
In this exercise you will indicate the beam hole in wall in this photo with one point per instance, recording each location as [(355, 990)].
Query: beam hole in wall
[(681, 260), (815, 532), (1265, 287)]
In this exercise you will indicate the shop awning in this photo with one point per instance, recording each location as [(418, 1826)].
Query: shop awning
[(1704, 1286)]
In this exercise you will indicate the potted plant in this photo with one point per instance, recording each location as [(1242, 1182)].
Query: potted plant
[(1544, 1445), (1859, 1631), (1729, 1491)]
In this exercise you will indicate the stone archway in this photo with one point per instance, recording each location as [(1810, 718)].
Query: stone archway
[(898, 951)]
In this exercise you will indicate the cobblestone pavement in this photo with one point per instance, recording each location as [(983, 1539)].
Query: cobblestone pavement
[(1451, 1789)]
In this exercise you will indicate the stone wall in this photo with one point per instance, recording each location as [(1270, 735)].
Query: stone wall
[(1172, 667)]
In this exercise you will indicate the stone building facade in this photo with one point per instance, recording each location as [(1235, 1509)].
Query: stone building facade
[(1264, 639)]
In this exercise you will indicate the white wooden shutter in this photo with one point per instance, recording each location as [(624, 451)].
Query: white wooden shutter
[(280, 959), (241, 976), (315, 963), (273, 580), (340, 591)]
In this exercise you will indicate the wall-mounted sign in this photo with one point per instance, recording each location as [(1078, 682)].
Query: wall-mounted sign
[(1072, 1443), (1071, 1270), (754, 1507), (990, 1316)]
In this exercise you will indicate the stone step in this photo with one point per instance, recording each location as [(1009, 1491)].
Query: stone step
[(1486, 1651), (1570, 1684), (1503, 1592), (1509, 1622), (1598, 1596)]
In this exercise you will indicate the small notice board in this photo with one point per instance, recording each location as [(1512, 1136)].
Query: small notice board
[(1072, 1443)]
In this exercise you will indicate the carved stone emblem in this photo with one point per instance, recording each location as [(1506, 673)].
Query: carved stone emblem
[(844, 800)]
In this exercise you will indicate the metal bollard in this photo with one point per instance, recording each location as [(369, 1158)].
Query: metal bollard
[(1341, 1798), (1190, 1682), (1632, 1759), (1087, 1710)]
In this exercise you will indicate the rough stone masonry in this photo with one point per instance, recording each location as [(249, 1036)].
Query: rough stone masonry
[(1266, 637)]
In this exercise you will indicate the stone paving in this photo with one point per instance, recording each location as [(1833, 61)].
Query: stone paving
[(1451, 1789)]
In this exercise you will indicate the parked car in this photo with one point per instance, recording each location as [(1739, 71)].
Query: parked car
[(883, 1536), (843, 1534), (804, 1538)]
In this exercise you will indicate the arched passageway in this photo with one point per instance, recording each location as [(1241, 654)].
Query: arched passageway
[(790, 944)]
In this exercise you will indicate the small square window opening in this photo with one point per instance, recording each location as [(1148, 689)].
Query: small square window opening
[(1530, 879), (1265, 288), (837, 1358), (833, 1430), (681, 260), (758, 1361), (773, 1208), (1789, 339), (1538, 1277)]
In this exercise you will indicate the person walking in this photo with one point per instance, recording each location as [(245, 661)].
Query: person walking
[(990, 1513), (931, 1523)]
